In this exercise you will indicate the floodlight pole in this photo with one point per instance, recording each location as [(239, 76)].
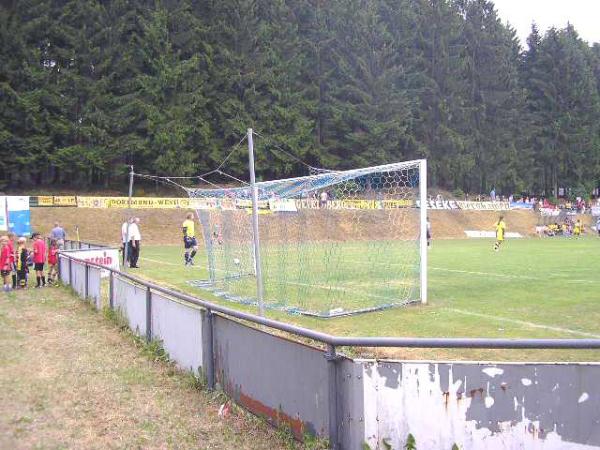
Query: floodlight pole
[(255, 230), (423, 222), (126, 245)]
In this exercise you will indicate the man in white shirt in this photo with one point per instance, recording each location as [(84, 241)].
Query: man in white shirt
[(135, 238), (124, 240)]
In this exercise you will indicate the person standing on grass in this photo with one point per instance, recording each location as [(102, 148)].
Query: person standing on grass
[(5, 263), (53, 261), (22, 258), (598, 226), (428, 233), (135, 238), (13, 258), (189, 239), (39, 259), (500, 232), (59, 235), (125, 240)]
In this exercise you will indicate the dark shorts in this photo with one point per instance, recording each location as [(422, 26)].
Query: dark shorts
[(189, 242), (5, 273), (39, 266)]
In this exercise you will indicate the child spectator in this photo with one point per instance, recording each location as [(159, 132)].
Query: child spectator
[(22, 263), (53, 261), (11, 245), (5, 263), (39, 259)]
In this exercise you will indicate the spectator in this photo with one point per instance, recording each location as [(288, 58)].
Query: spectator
[(135, 238), (598, 226), (59, 235), (323, 199), (493, 195), (125, 239)]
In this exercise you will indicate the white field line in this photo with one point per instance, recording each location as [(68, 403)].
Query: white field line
[(501, 275), (525, 323)]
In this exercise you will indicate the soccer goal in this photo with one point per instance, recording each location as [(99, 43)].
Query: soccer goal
[(329, 244)]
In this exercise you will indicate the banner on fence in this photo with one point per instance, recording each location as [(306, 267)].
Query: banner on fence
[(136, 202), (19, 218), (3, 215), (550, 212), (596, 211), (483, 206), (108, 257), (490, 234), (521, 205), (283, 205)]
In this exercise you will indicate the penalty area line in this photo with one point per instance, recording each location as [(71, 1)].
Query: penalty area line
[(524, 323), (516, 277)]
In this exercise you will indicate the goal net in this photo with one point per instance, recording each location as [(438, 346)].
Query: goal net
[(331, 244)]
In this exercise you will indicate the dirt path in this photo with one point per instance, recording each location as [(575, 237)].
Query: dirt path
[(70, 379)]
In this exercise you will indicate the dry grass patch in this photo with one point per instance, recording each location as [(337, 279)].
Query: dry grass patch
[(71, 379)]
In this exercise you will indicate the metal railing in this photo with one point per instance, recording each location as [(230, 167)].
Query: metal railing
[(330, 342)]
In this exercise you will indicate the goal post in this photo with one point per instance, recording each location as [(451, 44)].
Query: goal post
[(330, 244)]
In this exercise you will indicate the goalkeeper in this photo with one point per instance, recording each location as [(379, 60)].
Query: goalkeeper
[(189, 239), (500, 232)]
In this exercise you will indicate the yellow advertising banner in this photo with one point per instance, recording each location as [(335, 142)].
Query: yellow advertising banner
[(65, 200), (136, 202), (45, 200)]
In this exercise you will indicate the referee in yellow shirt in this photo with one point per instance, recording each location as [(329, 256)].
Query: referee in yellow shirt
[(189, 239)]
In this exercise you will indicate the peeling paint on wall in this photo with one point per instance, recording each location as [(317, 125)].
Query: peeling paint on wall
[(476, 406)]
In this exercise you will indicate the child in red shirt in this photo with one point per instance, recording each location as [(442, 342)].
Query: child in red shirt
[(13, 258), (39, 259), (52, 261), (5, 263)]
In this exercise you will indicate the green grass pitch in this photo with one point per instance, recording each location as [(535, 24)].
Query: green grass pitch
[(532, 288)]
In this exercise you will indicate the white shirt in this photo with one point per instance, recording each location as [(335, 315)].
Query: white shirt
[(134, 232), (124, 232)]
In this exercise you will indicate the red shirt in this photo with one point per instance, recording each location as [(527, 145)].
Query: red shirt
[(5, 258), (52, 255), (39, 251), (12, 252)]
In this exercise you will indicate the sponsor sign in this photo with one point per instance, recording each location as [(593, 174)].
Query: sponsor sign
[(521, 205), (136, 202), (483, 206), (3, 215), (491, 234), (66, 200), (108, 257), (550, 212), (286, 205), (19, 218), (596, 211), (204, 203)]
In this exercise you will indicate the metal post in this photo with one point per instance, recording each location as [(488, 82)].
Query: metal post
[(86, 286), (209, 347), (148, 314), (59, 271), (331, 357), (423, 220), (111, 279), (255, 229), (126, 246)]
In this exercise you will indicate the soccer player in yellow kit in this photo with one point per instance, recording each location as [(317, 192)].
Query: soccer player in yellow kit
[(189, 239), (500, 232)]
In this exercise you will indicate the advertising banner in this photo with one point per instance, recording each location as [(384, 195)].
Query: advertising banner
[(108, 257), (284, 205), (483, 206), (19, 219), (3, 216), (596, 211), (521, 205), (136, 202), (550, 212)]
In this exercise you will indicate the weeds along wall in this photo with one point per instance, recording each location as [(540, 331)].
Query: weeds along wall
[(354, 403)]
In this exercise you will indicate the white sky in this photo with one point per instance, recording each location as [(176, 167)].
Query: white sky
[(583, 14)]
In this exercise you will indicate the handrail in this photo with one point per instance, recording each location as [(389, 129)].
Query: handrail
[(358, 341)]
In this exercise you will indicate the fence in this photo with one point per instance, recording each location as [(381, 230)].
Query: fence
[(357, 403)]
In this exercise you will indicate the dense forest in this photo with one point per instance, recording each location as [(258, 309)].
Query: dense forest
[(88, 86)]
